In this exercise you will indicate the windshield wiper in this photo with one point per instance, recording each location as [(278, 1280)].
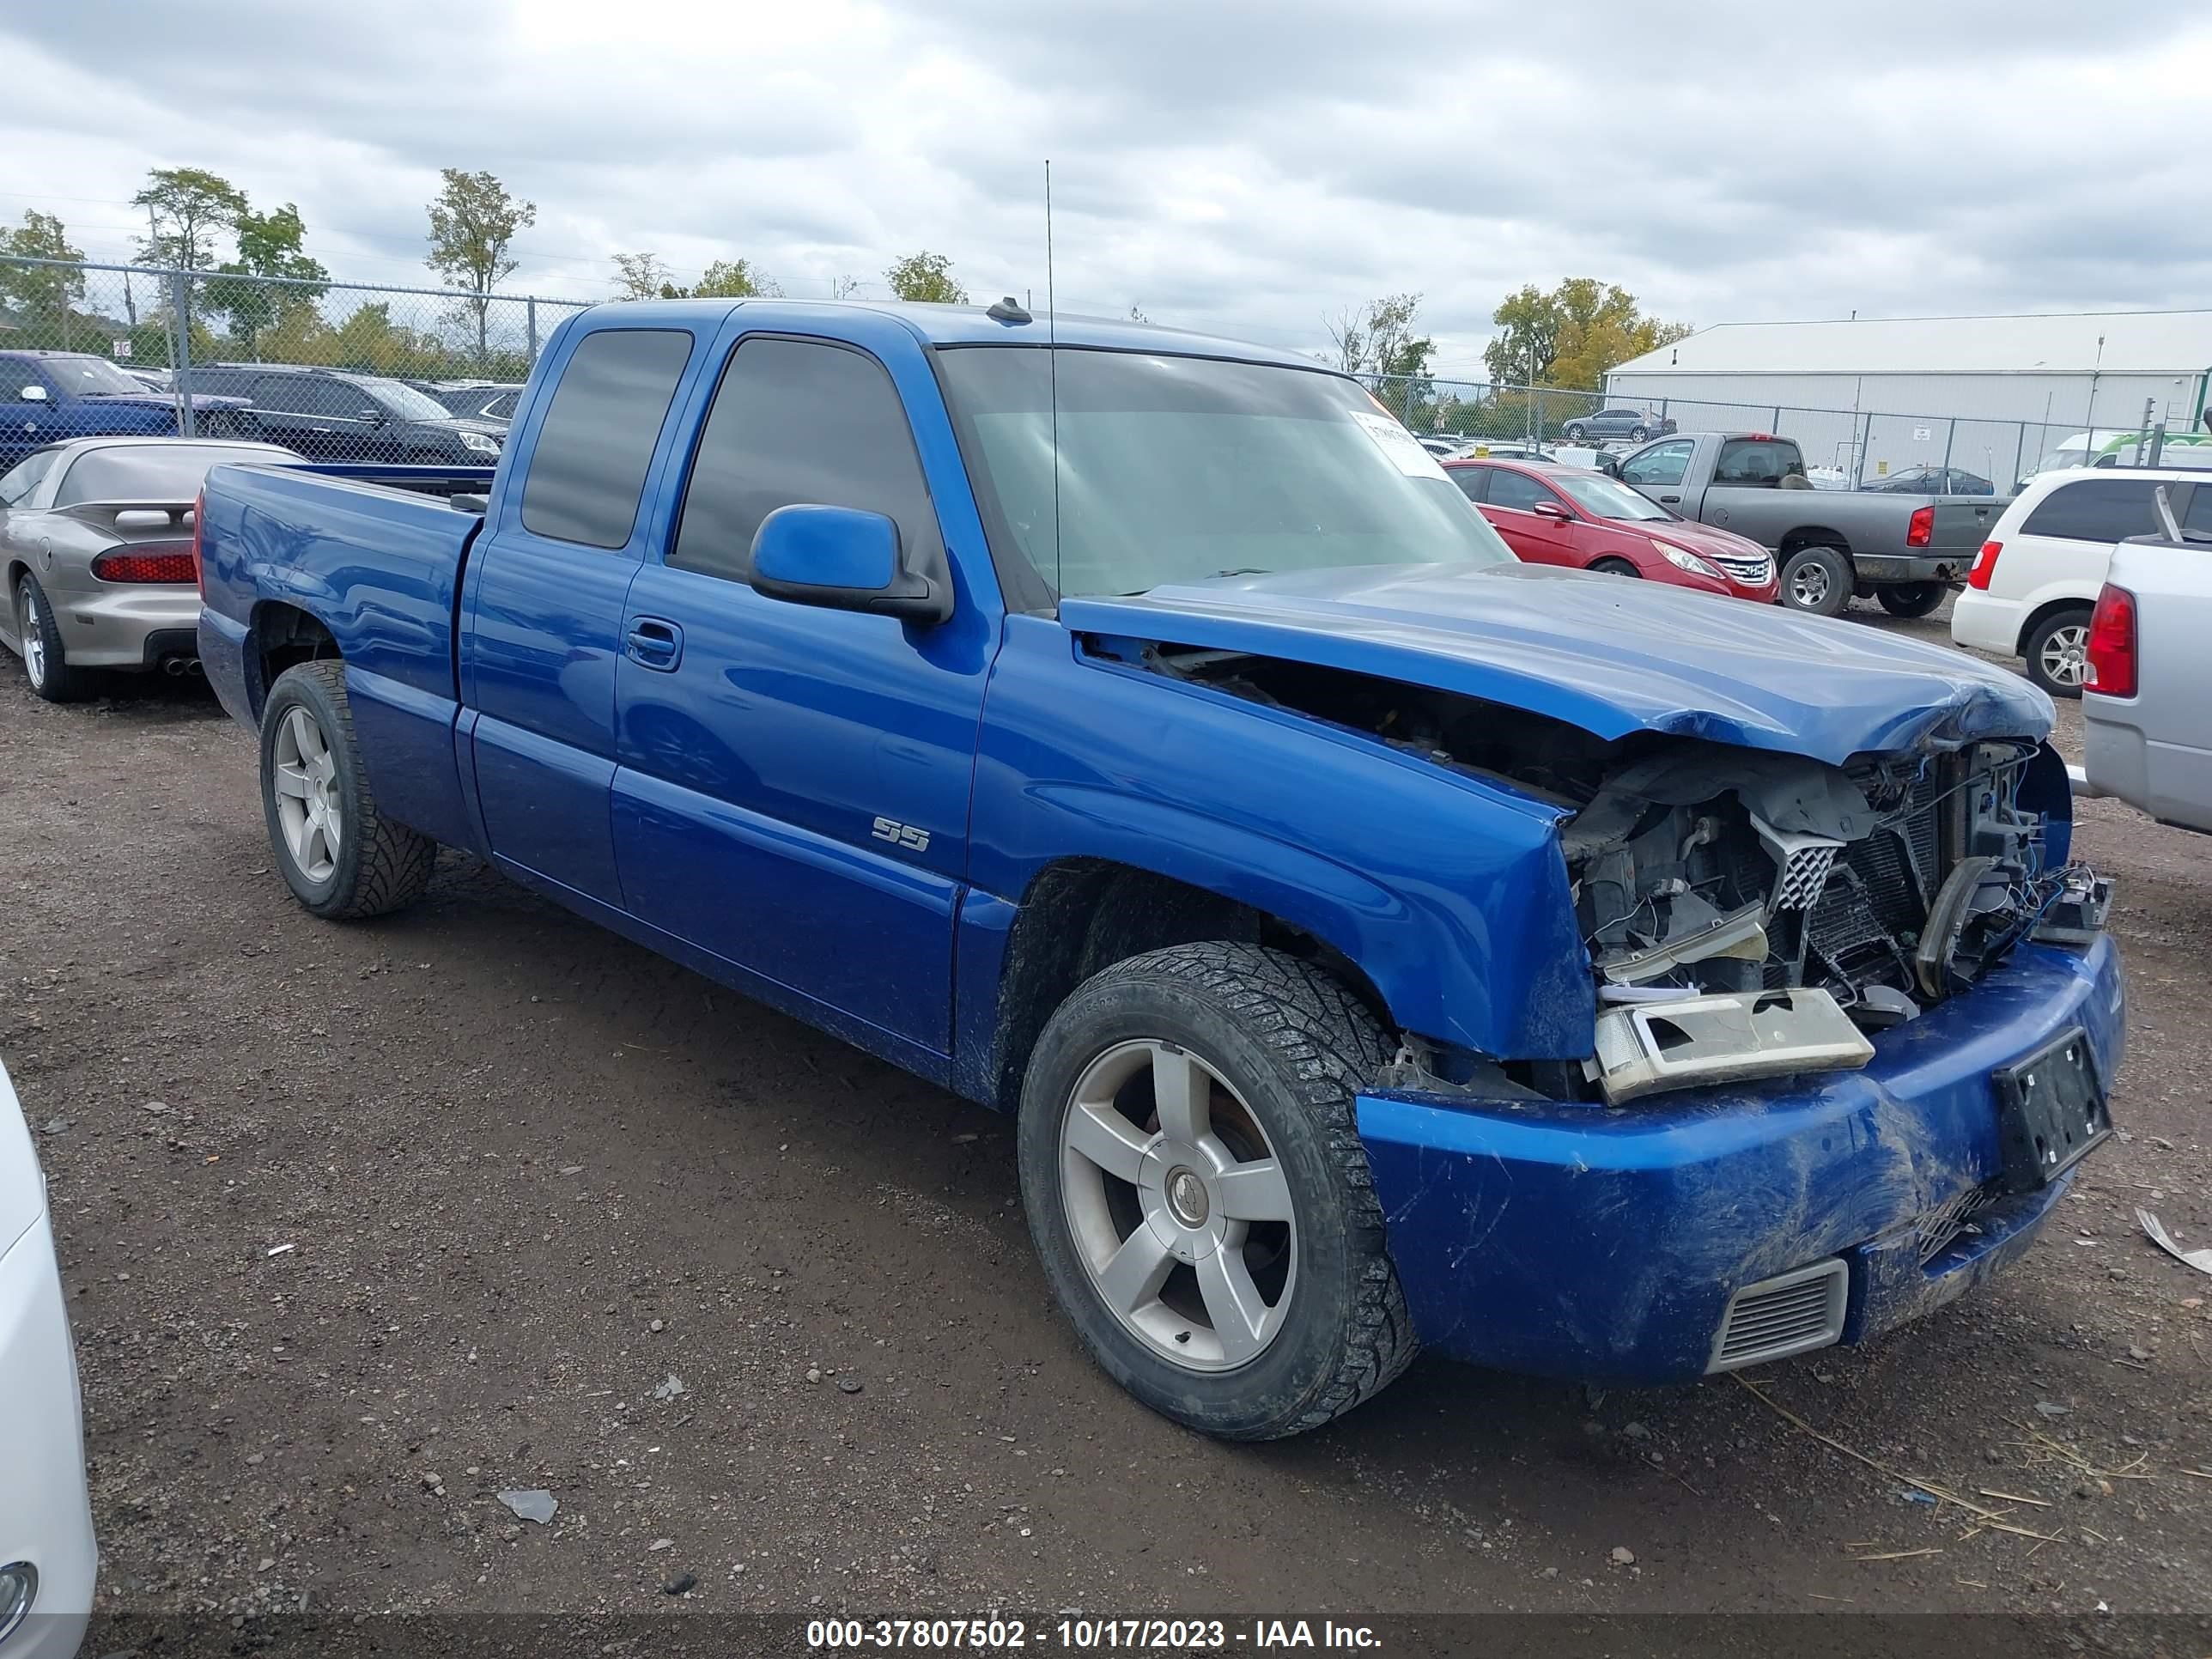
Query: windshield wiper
[(1240, 570)]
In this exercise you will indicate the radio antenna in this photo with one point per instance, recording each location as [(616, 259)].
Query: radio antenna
[(1052, 360)]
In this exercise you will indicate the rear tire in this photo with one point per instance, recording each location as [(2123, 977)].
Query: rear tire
[(1615, 568), (46, 664), (341, 857), (1911, 598), (2055, 650), (1817, 581), (1169, 1094)]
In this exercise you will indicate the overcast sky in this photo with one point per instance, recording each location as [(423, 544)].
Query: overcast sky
[(1239, 168)]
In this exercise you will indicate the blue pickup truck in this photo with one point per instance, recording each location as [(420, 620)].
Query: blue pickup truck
[(1380, 942), (47, 397)]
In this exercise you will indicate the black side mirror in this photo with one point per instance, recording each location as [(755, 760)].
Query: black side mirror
[(843, 559)]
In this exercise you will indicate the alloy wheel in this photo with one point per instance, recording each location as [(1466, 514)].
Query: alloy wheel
[(307, 805), (1180, 1211)]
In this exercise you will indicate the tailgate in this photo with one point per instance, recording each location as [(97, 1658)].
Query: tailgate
[(1963, 522)]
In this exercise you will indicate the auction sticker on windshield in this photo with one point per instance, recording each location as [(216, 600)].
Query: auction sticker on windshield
[(1399, 445)]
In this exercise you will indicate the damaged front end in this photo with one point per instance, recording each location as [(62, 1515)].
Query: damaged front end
[(1749, 912), (1754, 914)]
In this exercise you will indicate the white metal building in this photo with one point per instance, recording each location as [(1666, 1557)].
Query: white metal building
[(1990, 391)]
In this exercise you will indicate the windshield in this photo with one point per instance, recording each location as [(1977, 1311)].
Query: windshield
[(2058, 459), (170, 473), (1177, 469), (90, 377), (1602, 498), (405, 401)]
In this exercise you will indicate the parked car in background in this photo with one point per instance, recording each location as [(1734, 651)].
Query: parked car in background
[(1620, 421), (1904, 550), (1260, 831), (96, 557), (330, 414), (1931, 480), (48, 396), (154, 379), (2147, 696), (48, 1559), (490, 401), (1499, 449), (2036, 579), (1579, 517), (1441, 447)]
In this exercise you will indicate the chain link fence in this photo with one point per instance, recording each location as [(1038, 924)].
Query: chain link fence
[(1844, 449), (341, 371), (337, 371)]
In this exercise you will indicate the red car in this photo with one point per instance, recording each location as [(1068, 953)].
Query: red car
[(1574, 515)]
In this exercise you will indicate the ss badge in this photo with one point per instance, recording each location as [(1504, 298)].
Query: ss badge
[(901, 835)]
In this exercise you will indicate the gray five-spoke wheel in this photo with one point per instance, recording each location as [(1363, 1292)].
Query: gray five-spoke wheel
[(1179, 1209), (307, 795), (30, 629), (2063, 656), (1808, 584)]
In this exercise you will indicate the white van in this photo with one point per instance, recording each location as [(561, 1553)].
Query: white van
[(2032, 586), (2105, 448)]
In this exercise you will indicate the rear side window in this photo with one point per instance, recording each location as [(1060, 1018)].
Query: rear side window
[(16, 487), (2199, 516), (597, 441), (2096, 510), (1472, 480), (798, 420), (1758, 463)]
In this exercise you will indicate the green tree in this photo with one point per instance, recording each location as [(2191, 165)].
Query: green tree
[(1381, 338), (926, 276), (269, 244), (472, 226), (41, 291), (1572, 336), (735, 279), (643, 276), (186, 207)]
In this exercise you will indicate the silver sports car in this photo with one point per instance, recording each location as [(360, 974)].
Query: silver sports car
[(96, 556)]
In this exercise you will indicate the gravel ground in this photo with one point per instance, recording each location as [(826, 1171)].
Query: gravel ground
[(365, 1225)]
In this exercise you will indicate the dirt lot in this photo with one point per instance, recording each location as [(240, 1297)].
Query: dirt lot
[(363, 1225)]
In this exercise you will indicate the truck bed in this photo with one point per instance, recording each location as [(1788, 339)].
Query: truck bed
[(377, 563)]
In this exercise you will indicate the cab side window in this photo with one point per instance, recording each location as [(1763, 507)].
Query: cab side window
[(798, 420), (1661, 463)]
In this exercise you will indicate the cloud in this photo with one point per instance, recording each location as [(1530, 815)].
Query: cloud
[(1237, 167)]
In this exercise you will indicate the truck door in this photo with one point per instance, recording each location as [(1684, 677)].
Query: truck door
[(27, 422), (794, 785), (1658, 470), (543, 607)]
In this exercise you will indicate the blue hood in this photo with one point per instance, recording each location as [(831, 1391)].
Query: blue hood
[(1609, 654)]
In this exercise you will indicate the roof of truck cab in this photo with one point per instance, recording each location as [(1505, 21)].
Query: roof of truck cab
[(974, 326)]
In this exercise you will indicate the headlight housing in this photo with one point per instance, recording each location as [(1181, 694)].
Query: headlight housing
[(19, 1588), (479, 442), (1682, 559)]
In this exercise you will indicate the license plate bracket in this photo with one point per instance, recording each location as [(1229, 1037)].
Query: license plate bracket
[(2052, 1112)]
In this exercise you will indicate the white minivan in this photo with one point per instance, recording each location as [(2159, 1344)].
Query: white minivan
[(48, 1557), (2032, 586)]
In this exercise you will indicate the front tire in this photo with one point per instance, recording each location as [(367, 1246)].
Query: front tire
[(1195, 1185), (1575, 431), (1911, 598), (2057, 650), (1817, 580), (341, 857), (1615, 568), (46, 663)]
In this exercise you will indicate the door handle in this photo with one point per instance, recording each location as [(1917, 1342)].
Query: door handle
[(1670, 500), (653, 643)]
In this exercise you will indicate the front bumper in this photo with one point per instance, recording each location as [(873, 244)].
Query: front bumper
[(1912, 567), (46, 1516), (126, 625), (1578, 1242)]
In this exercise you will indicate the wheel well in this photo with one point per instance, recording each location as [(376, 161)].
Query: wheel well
[(283, 636), (2042, 614), (1080, 915), (1807, 536)]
